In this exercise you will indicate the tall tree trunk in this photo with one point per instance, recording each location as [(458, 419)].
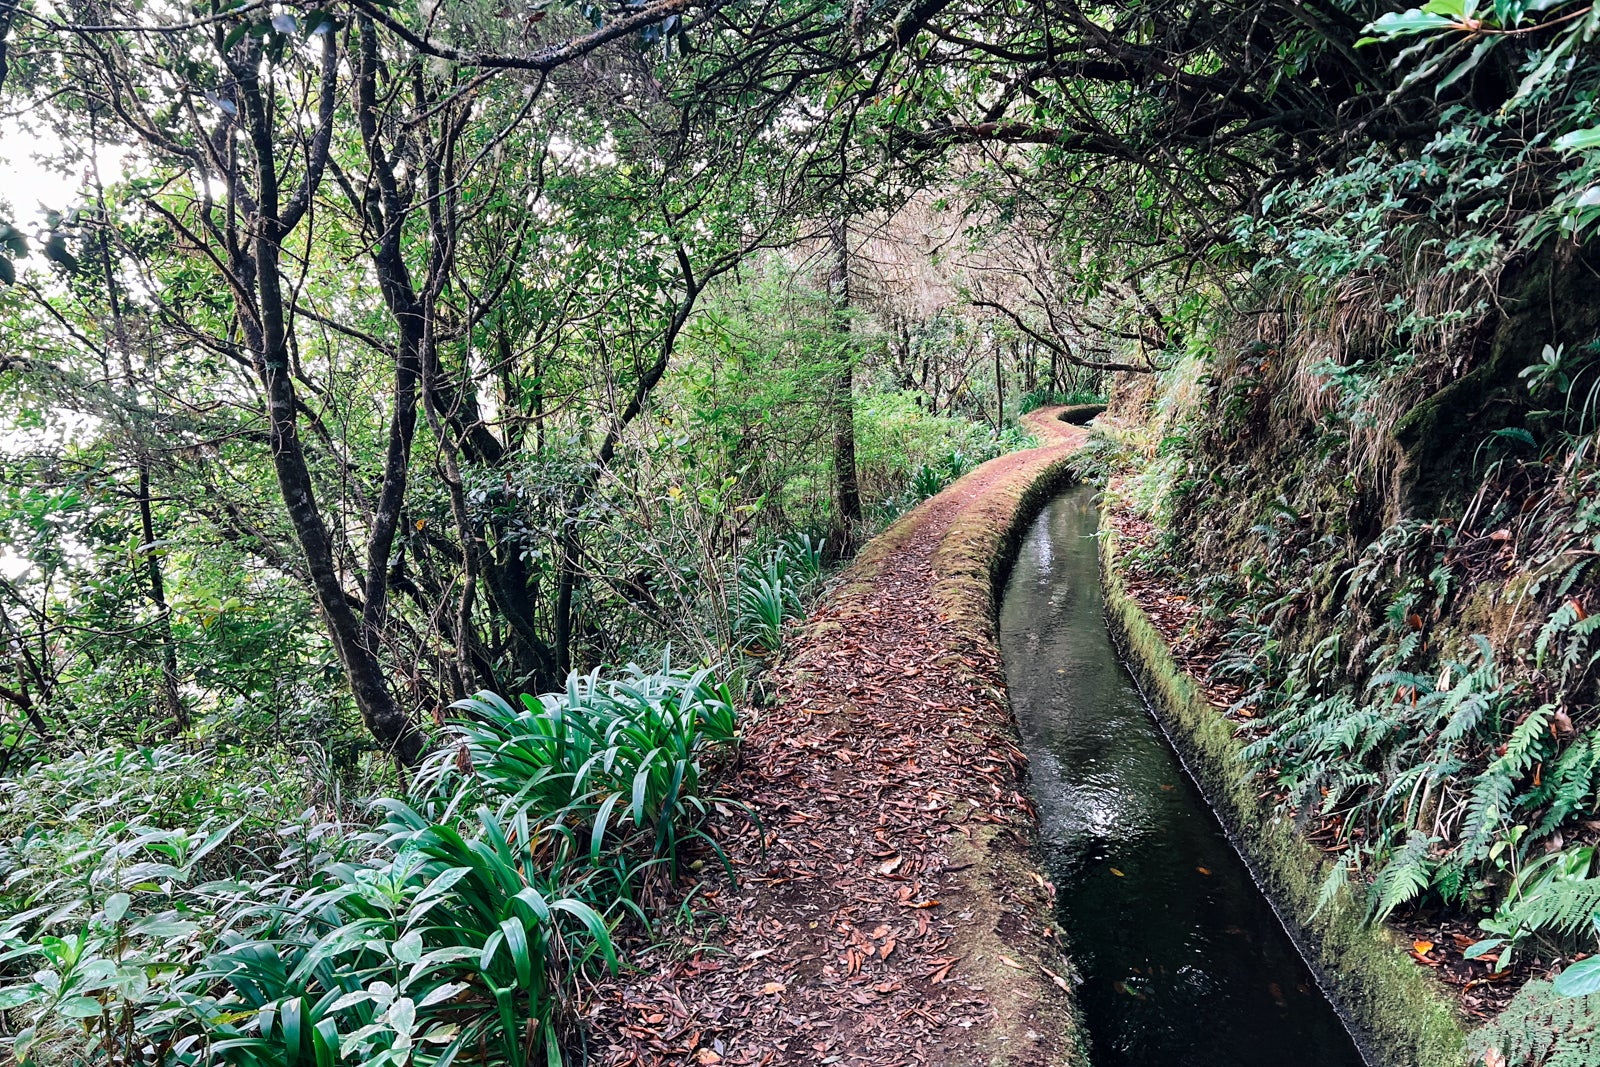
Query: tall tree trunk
[(158, 596), (847, 487), (566, 584), (999, 392), (257, 270), (389, 724)]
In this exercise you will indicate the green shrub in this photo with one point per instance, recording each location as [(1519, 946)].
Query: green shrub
[(614, 765), (771, 594), (453, 925)]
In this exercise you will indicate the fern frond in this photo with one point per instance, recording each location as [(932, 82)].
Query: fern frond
[(1487, 808), (1540, 1029), (1557, 907), (1337, 879), (1570, 578), (1559, 620), (1570, 783), (1405, 877), (1528, 742)]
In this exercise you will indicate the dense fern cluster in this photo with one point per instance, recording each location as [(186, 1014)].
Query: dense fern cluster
[(1421, 760), (1540, 1027), (1420, 692)]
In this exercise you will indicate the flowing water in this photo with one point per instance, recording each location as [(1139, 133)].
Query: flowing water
[(1183, 960)]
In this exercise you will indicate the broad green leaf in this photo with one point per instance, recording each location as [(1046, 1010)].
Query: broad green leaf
[(1406, 24), (408, 948), (80, 1007), (18, 995), (1578, 140), (1580, 979)]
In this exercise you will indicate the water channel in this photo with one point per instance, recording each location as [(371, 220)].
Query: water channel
[(1184, 962)]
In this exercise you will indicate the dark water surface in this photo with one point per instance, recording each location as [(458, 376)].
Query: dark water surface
[(1184, 962)]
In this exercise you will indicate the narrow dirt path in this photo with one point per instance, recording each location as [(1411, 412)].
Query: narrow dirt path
[(894, 915)]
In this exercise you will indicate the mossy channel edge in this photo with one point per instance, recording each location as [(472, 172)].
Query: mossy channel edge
[(1402, 1015)]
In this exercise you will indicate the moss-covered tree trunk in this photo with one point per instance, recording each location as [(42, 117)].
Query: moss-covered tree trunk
[(847, 487)]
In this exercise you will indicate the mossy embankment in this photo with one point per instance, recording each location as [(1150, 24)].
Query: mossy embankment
[(1405, 1017), (1376, 554), (970, 561)]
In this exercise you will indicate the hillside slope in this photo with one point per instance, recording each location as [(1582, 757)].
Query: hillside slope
[(1382, 570)]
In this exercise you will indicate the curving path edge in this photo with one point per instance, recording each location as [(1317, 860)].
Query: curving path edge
[(889, 910)]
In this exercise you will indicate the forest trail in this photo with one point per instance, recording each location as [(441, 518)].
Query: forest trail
[(895, 916)]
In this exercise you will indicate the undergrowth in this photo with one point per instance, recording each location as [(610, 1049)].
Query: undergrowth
[(772, 592), (453, 924), (1412, 651)]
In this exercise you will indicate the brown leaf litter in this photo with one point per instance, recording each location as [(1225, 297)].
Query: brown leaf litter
[(889, 909)]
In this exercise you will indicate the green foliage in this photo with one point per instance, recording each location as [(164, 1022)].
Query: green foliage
[(773, 593), (1406, 875), (612, 766), (929, 478), (766, 600), (1580, 979), (1098, 458), (451, 926), (1541, 1029), (905, 454), (1548, 899)]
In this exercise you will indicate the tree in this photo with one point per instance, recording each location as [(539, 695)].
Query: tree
[(847, 491), (289, 148)]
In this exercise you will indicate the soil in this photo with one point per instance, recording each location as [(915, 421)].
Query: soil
[(888, 908)]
